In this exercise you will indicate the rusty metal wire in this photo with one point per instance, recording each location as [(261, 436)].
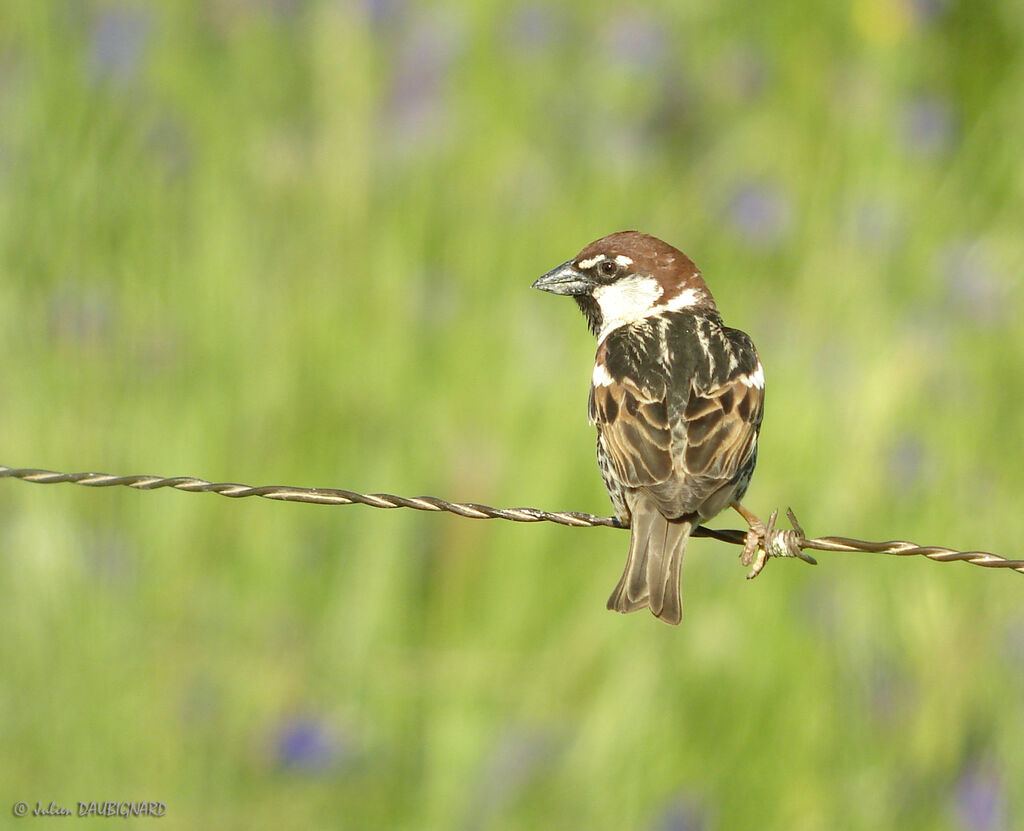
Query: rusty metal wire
[(775, 543)]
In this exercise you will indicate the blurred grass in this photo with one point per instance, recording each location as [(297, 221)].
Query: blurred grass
[(291, 242)]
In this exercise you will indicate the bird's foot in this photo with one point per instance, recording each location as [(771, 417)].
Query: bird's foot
[(754, 553), (765, 541)]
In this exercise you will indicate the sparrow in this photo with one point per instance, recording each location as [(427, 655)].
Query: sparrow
[(677, 398)]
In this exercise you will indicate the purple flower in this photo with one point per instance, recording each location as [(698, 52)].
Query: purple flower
[(170, 145), (533, 28), (284, 9), (907, 459), (822, 604), (928, 11), (1014, 642), (109, 557), (929, 125), (743, 73), (306, 744), (382, 12), (979, 801), (886, 689), (761, 213), (516, 759), (876, 223), (80, 315), (417, 106), (118, 42), (681, 814), (635, 41), (973, 287)]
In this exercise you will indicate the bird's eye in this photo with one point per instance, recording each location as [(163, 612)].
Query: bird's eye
[(608, 267)]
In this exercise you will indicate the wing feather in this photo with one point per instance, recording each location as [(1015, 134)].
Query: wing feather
[(634, 429), (720, 426)]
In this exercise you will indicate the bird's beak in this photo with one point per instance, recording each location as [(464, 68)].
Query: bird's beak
[(565, 279)]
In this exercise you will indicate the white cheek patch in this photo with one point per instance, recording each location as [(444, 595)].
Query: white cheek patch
[(601, 377), (683, 300), (755, 379), (583, 265), (626, 301)]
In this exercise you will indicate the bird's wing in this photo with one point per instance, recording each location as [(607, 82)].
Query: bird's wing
[(719, 426), (716, 424), (633, 426)]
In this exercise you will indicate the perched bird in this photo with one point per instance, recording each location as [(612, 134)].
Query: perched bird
[(677, 399)]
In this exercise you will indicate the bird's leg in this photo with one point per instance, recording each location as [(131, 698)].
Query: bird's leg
[(755, 551)]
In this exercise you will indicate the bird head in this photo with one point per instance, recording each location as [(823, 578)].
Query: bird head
[(628, 276)]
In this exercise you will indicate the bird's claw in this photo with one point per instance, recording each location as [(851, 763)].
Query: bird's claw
[(763, 542), (753, 550)]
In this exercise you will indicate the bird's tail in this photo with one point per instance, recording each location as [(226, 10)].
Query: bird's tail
[(651, 576)]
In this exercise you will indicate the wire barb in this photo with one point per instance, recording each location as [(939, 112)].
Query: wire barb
[(777, 542)]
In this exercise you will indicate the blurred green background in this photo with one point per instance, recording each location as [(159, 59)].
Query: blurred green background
[(285, 242)]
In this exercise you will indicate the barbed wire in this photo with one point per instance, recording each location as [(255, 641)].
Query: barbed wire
[(775, 542)]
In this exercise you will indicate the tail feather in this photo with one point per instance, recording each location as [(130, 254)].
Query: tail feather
[(653, 567), (666, 602), (630, 593), (636, 583)]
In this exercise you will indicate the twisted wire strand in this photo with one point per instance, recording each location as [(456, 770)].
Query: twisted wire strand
[(778, 543)]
